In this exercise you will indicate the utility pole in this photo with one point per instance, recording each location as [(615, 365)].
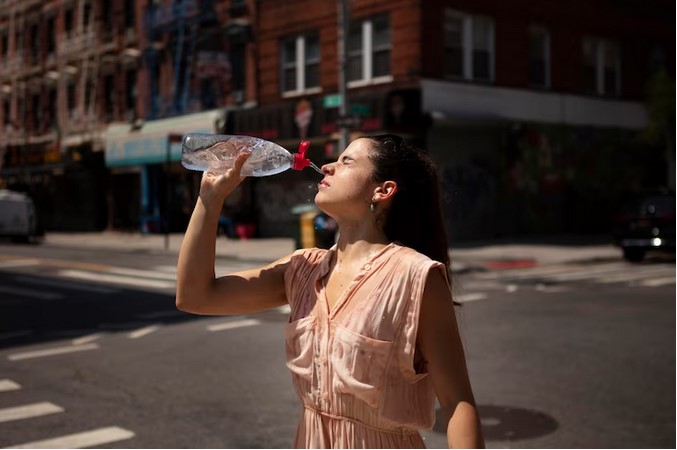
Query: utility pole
[(343, 71)]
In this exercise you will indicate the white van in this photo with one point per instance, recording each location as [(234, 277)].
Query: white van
[(17, 216)]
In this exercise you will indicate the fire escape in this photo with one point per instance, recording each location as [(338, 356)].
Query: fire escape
[(189, 35)]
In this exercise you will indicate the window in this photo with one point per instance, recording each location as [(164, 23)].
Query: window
[(539, 57), (70, 93), (468, 46), (68, 18), (130, 14), (601, 67), (130, 93), (52, 107), (35, 44), (37, 113), (368, 50), (4, 42), (6, 111), (109, 93), (300, 64), (51, 39)]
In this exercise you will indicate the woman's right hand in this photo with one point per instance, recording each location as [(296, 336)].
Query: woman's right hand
[(215, 187)]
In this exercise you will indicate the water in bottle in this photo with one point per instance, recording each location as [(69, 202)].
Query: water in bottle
[(217, 153)]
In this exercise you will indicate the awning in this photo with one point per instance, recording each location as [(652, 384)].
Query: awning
[(126, 146), (449, 101)]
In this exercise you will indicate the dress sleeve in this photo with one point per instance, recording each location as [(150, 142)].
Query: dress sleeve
[(409, 329), (298, 275)]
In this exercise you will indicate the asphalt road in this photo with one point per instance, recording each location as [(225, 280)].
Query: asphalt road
[(93, 350)]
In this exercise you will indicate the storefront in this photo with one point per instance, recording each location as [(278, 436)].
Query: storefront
[(523, 163), (66, 180), (149, 189)]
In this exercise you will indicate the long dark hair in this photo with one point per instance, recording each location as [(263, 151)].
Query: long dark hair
[(415, 214)]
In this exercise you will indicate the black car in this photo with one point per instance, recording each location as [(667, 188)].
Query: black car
[(647, 223)]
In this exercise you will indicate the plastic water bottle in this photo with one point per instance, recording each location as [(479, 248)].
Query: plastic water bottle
[(217, 153)]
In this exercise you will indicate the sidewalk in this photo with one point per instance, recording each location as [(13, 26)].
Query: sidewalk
[(466, 256)]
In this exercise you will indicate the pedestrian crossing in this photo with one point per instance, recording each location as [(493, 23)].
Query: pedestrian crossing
[(10, 414), (647, 275)]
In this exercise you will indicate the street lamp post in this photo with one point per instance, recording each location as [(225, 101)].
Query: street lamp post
[(343, 72)]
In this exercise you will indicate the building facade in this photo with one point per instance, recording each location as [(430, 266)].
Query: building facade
[(67, 70), (534, 114)]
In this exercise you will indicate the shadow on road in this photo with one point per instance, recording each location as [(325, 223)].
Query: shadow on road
[(37, 309), (506, 423)]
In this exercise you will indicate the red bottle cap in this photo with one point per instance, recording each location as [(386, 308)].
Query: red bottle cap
[(300, 160)]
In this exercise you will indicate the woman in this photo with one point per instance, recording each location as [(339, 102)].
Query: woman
[(372, 335)]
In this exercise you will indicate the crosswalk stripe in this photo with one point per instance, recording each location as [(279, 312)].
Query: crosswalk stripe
[(233, 324), (18, 263), (8, 385), (142, 273), (28, 411), (87, 339), (51, 351), (143, 331), (64, 285), (634, 275), (85, 439), (521, 273), (30, 293), (655, 282), (117, 279), (465, 298)]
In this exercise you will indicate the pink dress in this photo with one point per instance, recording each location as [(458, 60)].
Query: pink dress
[(353, 366)]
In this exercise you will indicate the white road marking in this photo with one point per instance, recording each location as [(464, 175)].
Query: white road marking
[(86, 439), (142, 273), (87, 339), (143, 331), (168, 269), (30, 293), (233, 324), (28, 411), (465, 298), (13, 334), (521, 272), (64, 285), (8, 385), (655, 282), (284, 309), (51, 351), (18, 263), (117, 279), (511, 288), (637, 274), (549, 289)]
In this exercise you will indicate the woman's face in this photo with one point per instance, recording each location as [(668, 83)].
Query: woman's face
[(347, 187)]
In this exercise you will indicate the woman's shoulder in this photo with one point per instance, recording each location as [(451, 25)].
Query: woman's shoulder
[(411, 255), (309, 255)]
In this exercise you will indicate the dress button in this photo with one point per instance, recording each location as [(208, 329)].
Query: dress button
[(367, 266)]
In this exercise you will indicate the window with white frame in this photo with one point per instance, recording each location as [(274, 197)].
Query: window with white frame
[(368, 50), (601, 67), (468, 46), (539, 57), (300, 61)]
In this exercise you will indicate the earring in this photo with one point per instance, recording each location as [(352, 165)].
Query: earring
[(372, 206)]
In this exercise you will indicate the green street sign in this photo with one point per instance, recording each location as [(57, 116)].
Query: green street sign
[(331, 101)]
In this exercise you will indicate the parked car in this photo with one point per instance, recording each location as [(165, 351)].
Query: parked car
[(646, 224)]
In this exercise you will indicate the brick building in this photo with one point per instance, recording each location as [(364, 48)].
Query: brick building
[(67, 69), (534, 112)]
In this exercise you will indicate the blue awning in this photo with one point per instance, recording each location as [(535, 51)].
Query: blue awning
[(148, 145)]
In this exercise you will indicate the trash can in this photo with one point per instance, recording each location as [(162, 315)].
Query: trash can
[(306, 231)]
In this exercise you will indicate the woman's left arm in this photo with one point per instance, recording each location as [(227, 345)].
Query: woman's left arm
[(440, 345)]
